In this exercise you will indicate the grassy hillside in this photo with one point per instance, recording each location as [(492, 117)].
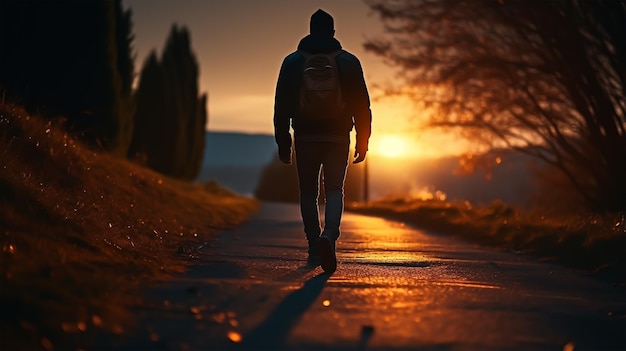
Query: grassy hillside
[(80, 230), (591, 243)]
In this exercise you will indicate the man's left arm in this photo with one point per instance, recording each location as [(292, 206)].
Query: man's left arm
[(361, 111)]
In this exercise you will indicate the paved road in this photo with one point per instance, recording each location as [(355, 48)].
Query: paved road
[(396, 288)]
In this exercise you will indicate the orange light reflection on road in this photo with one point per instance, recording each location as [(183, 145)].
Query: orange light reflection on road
[(379, 249), (381, 240), (234, 336), (468, 285)]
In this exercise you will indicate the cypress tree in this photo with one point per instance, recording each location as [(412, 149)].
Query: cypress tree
[(197, 139), (150, 129), (171, 117), (126, 70)]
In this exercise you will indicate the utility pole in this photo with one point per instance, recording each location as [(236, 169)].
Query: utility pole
[(366, 194)]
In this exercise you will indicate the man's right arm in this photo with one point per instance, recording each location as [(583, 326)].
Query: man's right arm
[(282, 114)]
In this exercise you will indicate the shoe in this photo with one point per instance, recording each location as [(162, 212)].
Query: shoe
[(314, 258), (327, 255)]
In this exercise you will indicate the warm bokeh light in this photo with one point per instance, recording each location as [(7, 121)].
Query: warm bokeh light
[(234, 336)]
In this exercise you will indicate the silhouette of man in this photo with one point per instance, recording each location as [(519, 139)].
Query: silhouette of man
[(321, 142)]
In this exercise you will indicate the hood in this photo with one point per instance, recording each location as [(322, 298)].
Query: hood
[(319, 44)]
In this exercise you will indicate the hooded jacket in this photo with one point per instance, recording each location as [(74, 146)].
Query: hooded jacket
[(354, 93)]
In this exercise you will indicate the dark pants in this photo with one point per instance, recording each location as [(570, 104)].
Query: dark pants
[(311, 158)]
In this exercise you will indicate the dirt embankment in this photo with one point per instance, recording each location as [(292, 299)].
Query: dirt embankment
[(80, 230)]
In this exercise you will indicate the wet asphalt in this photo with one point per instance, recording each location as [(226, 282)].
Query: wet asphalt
[(395, 288)]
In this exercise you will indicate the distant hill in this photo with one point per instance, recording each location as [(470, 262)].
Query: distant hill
[(236, 160), (237, 149)]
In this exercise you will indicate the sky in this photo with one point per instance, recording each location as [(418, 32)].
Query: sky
[(240, 45)]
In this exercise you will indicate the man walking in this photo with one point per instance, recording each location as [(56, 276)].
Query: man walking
[(321, 94)]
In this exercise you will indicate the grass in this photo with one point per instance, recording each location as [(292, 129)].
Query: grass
[(81, 230), (591, 243)]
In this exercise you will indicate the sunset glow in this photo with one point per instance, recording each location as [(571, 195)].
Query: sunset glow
[(392, 146), (399, 131)]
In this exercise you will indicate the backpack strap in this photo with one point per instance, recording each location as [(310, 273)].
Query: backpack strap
[(305, 54)]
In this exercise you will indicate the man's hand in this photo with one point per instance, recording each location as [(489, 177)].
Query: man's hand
[(285, 156), (359, 155)]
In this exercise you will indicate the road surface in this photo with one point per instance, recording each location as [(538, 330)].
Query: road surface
[(395, 288)]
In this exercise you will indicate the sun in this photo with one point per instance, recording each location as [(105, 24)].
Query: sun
[(392, 146)]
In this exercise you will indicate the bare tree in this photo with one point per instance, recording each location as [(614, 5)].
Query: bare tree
[(547, 78)]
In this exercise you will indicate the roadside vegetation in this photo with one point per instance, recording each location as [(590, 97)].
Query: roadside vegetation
[(594, 243), (540, 78), (80, 230)]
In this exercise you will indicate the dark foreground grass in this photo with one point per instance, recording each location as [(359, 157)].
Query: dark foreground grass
[(80, 230), (592, 243)]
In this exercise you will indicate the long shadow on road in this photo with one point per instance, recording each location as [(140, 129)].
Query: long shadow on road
[(272, 332)]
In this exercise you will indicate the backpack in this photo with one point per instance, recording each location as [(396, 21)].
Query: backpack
[(320, 92)]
